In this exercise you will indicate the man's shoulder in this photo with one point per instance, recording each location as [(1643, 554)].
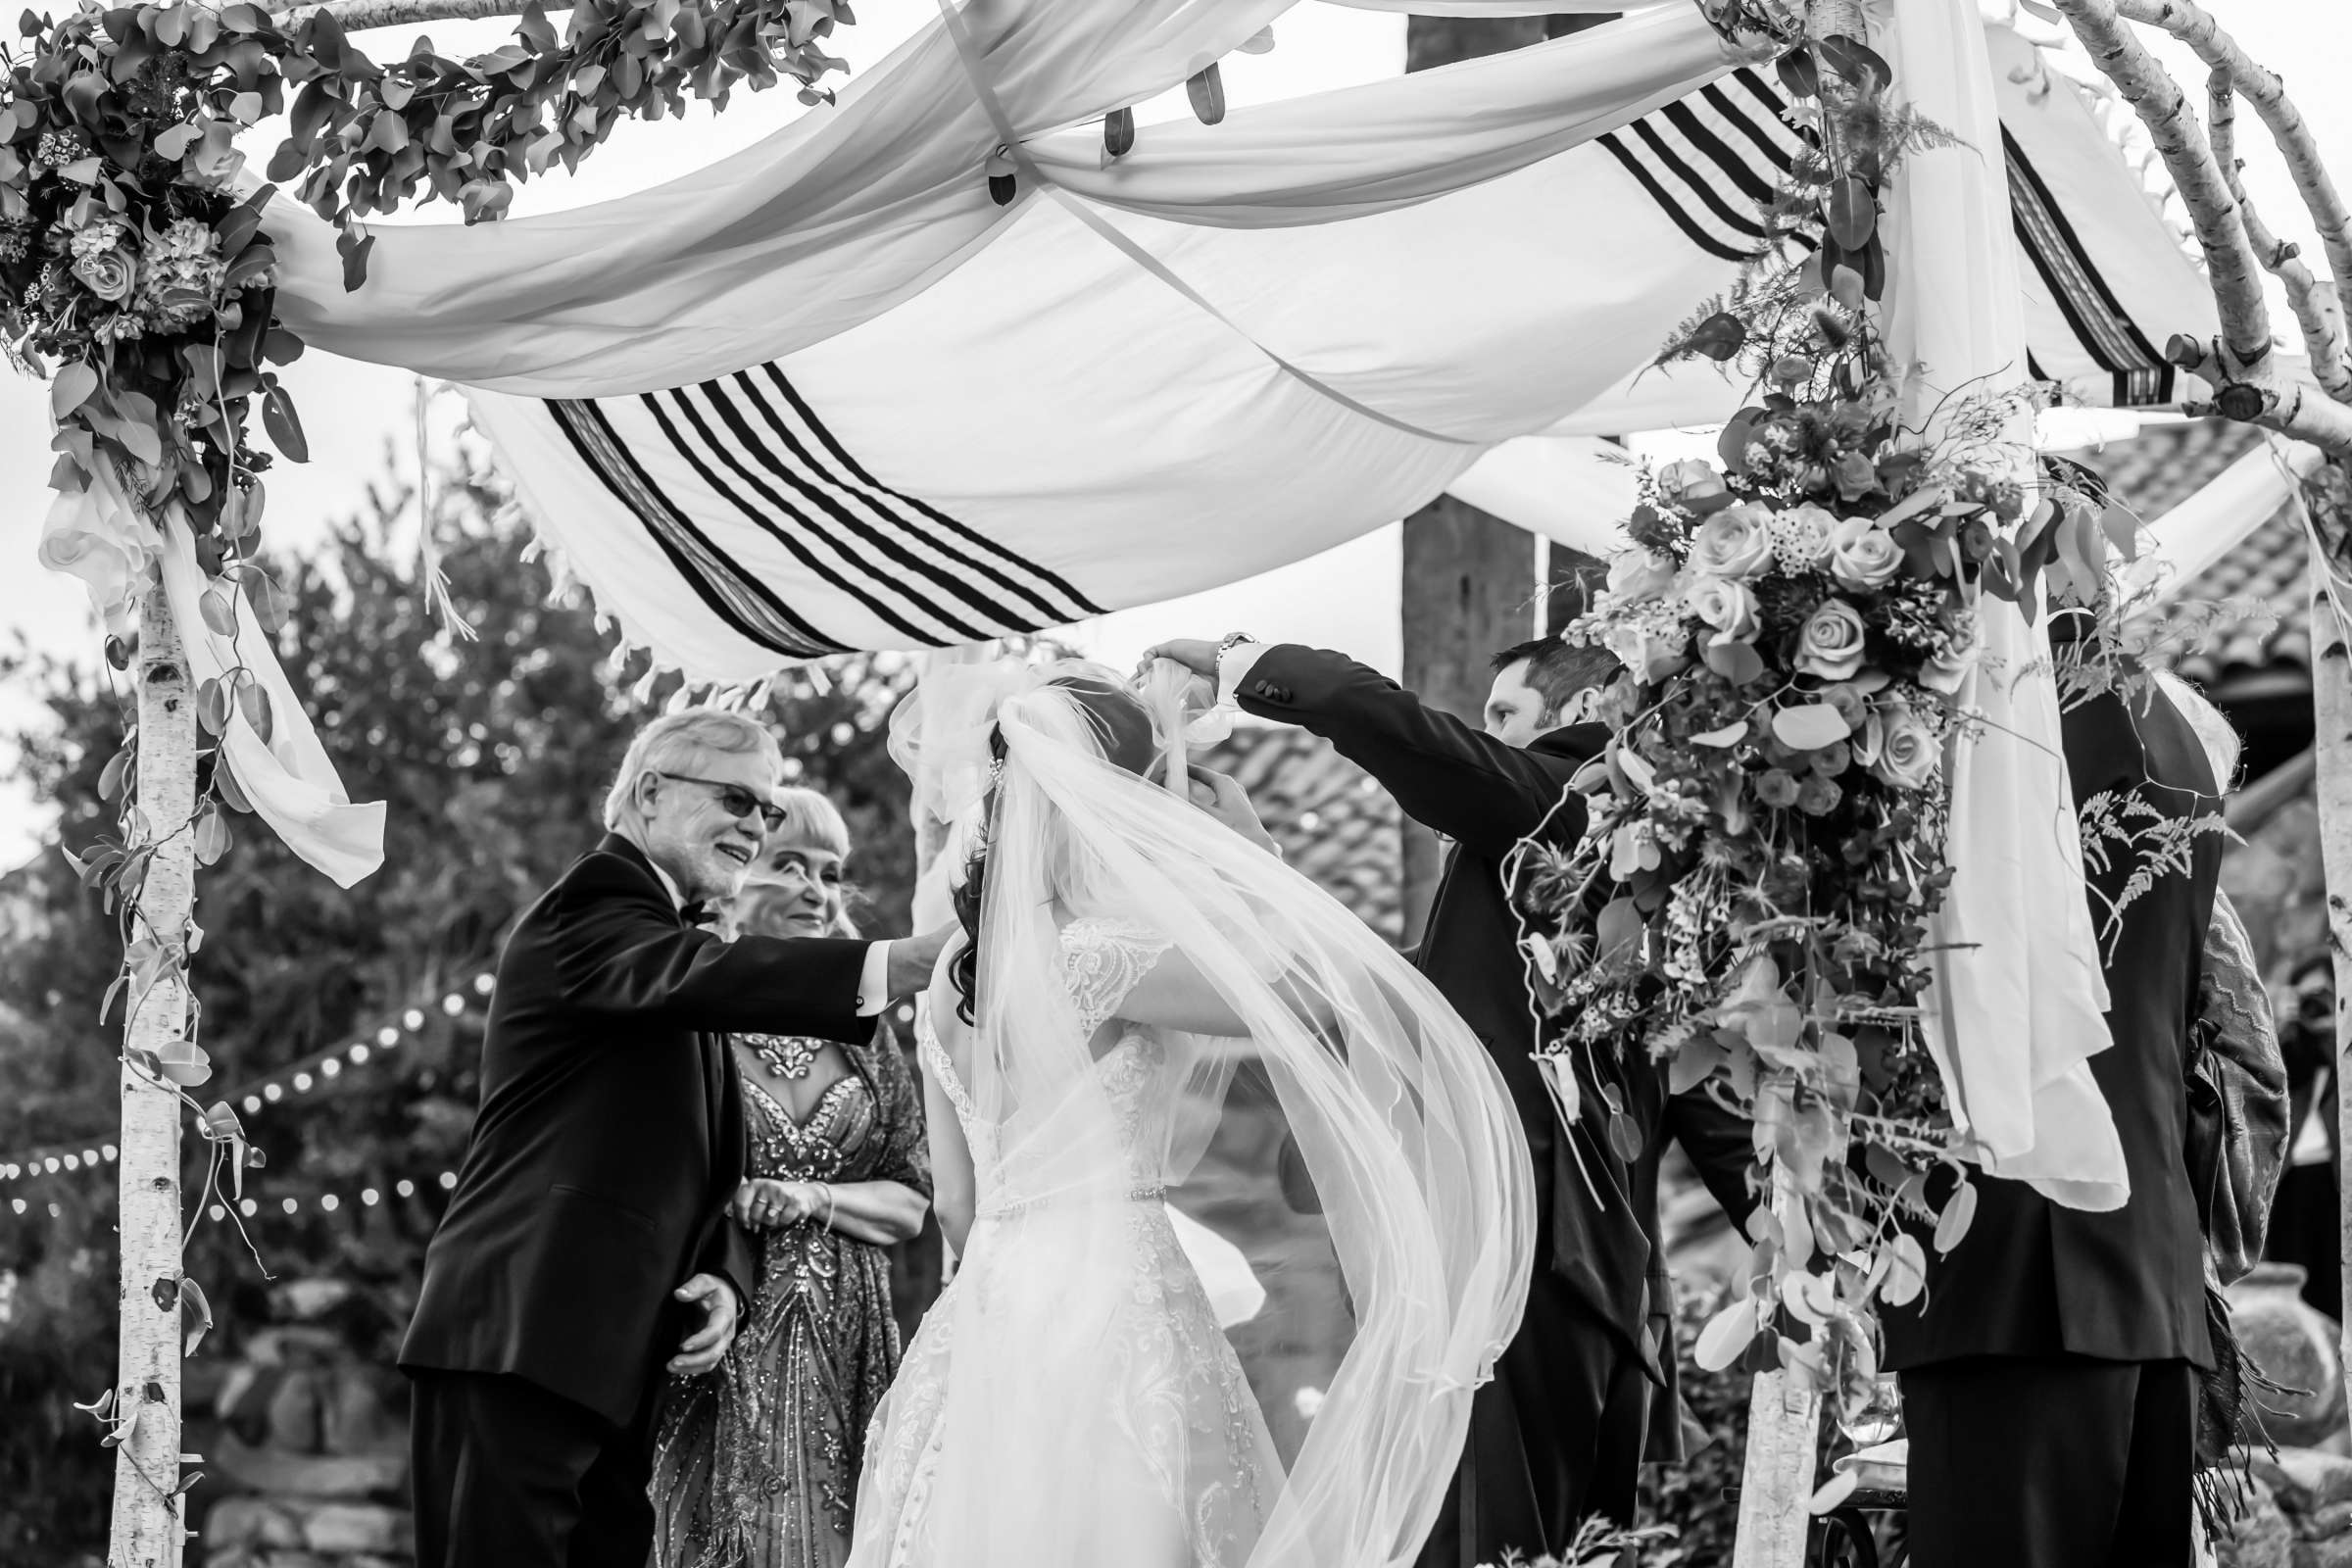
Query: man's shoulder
[(1573, 743), (613, 869)]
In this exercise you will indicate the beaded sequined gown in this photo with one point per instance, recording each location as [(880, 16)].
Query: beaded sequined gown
[(1163, 1459), (755, 1465)]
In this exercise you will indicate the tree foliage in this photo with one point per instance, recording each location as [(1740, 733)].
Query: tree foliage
[(494, 756)]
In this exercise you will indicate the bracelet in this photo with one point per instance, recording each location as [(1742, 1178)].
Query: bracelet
[(826, 1188)]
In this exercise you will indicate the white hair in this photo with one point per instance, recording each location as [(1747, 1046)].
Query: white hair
[(2212, 726), (683, 742)]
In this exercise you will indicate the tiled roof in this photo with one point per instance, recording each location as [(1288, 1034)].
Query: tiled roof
[(1331, 820), (2164, 466)]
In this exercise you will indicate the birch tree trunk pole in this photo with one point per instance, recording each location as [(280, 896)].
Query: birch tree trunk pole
[(2331, 745), (148, 1528), (1784, 1425), (2332, 705)]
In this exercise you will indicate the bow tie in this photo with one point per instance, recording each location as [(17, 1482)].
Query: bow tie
[(699, 913)]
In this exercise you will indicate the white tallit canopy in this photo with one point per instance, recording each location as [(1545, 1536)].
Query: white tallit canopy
[(828, 395)]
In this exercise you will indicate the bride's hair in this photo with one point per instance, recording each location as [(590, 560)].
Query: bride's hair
[(1121, 729)]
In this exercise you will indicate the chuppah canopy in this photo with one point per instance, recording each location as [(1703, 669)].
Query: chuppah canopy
[(827, 394), (929, 369)]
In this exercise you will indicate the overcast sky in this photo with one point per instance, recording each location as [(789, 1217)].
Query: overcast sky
[(1347, 598)]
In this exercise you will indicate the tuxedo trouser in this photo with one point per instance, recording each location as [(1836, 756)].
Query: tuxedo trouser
[(508, 1475), (1555, 1437), (2051, 1462)]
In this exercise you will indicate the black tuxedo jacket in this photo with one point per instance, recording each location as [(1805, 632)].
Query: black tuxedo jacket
[(1596, 1242), (609, 1133), (2032, 1278)]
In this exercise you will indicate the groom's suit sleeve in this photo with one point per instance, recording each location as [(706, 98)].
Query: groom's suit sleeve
[(621, 951), (1720, 1143), (1445, 775)]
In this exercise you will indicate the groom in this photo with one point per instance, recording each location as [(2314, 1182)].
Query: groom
[(1561, 1430), (587, 1234)]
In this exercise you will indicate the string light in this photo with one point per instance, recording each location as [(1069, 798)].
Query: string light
[(302, 1078)]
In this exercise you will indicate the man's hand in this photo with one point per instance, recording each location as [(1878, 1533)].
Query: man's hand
[(912, 959), (707, 1345), (1193, 652)]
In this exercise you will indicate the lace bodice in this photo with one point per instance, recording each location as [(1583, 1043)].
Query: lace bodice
[(1101, 961)]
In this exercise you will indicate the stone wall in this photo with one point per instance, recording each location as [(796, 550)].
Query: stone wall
[(304, 1448)]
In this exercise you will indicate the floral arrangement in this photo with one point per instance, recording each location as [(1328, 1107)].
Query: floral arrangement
[(128, 265), (1751, 903)]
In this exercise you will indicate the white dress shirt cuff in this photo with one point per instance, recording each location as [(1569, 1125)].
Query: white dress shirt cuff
[(1233, 667), (873, 981)]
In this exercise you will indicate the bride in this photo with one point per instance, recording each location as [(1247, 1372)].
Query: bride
[(1071, 1401)]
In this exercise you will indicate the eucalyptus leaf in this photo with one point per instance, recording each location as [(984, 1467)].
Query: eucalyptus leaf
[(1726, 1334), (220, 615), (1959, 1212)]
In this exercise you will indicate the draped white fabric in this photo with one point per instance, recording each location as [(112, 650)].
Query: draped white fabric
[(1113, 426), (847, 212), (2018, 1009)]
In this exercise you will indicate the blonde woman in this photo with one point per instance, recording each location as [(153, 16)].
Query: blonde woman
[(757, 1466)]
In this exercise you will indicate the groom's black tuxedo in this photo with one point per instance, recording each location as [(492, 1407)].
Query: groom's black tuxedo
[(1562, 1429), (609, 1139)]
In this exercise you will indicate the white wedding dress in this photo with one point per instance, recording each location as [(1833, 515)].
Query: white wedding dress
[(1071, 1401), (1184, 1468)]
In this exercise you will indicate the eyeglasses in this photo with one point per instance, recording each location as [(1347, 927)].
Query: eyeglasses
[(735, 800)]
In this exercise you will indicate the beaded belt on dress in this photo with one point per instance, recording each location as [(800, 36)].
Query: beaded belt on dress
[(1141, 1193)]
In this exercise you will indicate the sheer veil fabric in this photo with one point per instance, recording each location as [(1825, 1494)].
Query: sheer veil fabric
[(1075, 1402)]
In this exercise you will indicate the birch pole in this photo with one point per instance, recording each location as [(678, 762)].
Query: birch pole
[(148, 1526), (1783, 1426), (2332, 746)]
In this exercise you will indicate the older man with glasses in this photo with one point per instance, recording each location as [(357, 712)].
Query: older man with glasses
[(588, 1234)]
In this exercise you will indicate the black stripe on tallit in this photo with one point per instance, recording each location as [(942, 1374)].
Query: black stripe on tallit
[(957, 576), (731, 594), (793, 543), (1075, 605)]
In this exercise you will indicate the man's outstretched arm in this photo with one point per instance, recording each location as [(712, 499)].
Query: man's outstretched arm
[(1446, 773)]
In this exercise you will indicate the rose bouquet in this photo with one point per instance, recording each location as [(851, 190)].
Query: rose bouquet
[(1751, 903)]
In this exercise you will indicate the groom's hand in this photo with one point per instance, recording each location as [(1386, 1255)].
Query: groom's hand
[(707, 1345), (1193, 653)]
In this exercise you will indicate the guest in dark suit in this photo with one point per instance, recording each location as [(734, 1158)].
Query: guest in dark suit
[(2049, 1378), (586, 1246), (1561, 1430)]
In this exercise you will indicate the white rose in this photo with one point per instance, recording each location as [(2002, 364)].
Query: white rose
[(1691, 479), (1728, 607), (1736, 542), (1862, 554), (1638, 574), (1830, 647), (1908, 753), (1652, 650)]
